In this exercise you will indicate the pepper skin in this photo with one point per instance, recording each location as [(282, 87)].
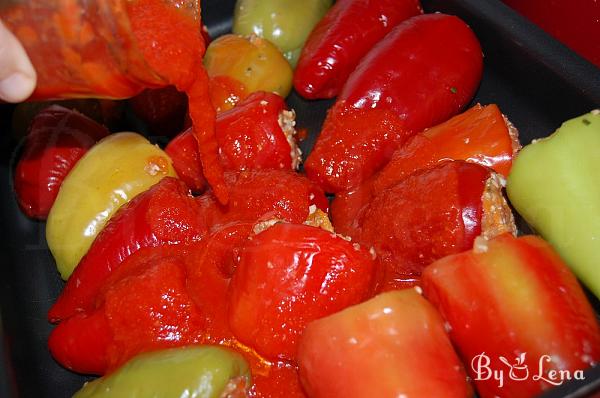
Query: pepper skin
[(289, 275), (555, 186), (166, 214), (58, 138), (429, 215), (480, 135), (514, 300), (340, 40), (81, 343), (423, 72), (257, 134), (393, 345), (200, 371)]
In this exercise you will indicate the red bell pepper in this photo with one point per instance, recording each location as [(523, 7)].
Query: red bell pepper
[(431, 214), (514, 309), (480, 135), (143, 306), (393, 345), (423, 72), (166, 214), (435, 54), (156, 298), (162, 109), (58, 138), (340, 40), (149, 308), (209, 270), (81, 343), (257, 134), (353, 145), (289, 275)]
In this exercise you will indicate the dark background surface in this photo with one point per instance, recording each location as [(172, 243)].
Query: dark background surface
[(536, 81)]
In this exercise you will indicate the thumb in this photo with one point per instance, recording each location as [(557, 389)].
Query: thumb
[(17, 76)]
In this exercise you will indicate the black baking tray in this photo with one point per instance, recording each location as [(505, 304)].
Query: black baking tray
[(536, 81)]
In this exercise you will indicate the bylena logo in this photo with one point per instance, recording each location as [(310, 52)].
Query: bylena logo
[(518, 370)]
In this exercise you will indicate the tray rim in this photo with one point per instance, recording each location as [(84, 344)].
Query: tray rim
[(568, 66)]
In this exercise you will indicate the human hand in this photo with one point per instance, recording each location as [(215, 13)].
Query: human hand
[(17, 76)]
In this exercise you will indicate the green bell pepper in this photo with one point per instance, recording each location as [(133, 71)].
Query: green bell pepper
[(555, 185), (285, 23), (200, 371)]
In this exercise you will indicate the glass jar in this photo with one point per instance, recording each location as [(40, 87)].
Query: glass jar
[(86, 48)]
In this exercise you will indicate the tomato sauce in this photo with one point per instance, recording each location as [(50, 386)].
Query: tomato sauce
[(181, 65)]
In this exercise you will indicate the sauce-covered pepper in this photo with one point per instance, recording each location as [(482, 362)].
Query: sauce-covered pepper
[(309, 272), (423, 72), (258, 133), (431, 214)]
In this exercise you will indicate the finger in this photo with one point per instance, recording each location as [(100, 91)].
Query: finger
[(17, 76)]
